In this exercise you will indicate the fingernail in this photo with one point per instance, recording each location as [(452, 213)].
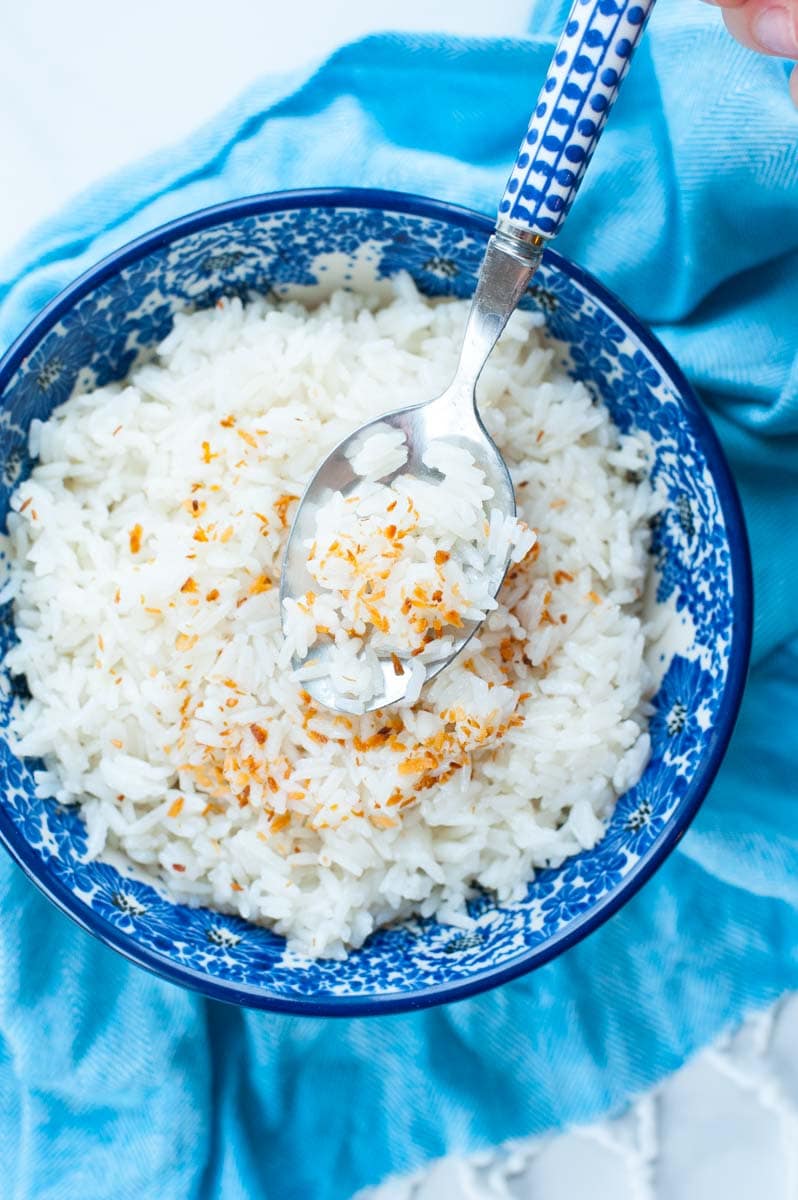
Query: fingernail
[(774, 31)]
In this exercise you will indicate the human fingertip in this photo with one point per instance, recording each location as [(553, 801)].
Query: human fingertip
[(774, 31), (794, 86)]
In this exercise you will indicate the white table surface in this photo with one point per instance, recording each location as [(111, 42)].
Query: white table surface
[(86, 87), (725, 1127)]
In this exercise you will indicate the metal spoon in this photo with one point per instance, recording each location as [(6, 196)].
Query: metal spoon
[(589, 64)]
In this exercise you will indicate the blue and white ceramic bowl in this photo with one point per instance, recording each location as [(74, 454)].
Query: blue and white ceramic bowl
[(299, 243)]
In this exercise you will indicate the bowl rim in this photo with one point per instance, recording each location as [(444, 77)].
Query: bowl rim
[(739, 653)]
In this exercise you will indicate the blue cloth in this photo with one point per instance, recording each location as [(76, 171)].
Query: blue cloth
[(111, 1081)]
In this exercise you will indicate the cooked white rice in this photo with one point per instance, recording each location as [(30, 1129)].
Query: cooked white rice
[(145, 552), (403, 568)]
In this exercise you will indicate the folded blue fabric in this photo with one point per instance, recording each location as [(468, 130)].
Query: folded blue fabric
[(112, 1082)]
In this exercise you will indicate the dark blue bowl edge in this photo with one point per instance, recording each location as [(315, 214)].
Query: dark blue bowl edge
[(739, 655)]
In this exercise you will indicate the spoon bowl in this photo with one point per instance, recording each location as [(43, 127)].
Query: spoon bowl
[(451, 418)]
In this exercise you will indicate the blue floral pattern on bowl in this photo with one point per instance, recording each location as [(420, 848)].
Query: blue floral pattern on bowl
[(300, 245)]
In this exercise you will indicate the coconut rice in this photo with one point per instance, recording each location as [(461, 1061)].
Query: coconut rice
[(145, 551)]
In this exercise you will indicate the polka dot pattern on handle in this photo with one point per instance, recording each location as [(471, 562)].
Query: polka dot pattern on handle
[(588, 67)]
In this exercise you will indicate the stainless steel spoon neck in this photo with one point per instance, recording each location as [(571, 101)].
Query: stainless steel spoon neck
[(510, 262)]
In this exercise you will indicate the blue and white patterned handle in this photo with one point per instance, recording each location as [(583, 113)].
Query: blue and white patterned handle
[(589, 65)]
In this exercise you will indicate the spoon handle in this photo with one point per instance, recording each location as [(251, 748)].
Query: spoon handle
[(588, 67)]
